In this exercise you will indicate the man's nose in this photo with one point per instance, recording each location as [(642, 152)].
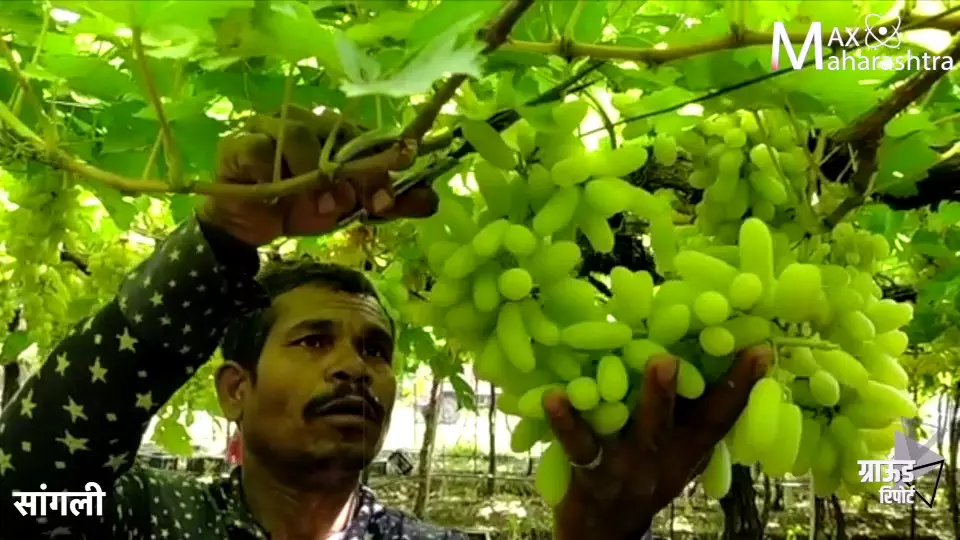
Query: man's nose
[(349, 367)]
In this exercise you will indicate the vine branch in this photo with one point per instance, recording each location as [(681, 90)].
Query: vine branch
[(738, 38), (396, 157), (170, 152), (866, 133)]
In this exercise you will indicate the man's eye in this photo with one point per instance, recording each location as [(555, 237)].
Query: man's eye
[(378, 351), (314, 341)]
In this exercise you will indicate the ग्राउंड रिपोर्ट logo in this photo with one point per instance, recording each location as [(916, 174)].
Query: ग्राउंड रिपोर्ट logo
[(876, 36), (911, 460)]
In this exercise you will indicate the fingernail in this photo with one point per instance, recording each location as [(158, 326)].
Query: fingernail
[(381, 201), (666, 371), (761, 361), (326, 204)]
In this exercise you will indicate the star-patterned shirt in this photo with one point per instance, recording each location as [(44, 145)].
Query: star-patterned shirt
[(82, 416)]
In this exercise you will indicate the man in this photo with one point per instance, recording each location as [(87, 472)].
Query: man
[(308, 376)]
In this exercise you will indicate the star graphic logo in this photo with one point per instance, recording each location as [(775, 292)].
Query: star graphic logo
[(926, 460)]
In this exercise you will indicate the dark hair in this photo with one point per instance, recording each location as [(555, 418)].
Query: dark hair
[(244, 339)]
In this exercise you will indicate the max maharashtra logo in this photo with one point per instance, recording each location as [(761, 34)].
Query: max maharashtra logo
[(876, 35), (911, 460)]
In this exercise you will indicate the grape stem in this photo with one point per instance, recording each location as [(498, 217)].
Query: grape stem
[(803, 342)]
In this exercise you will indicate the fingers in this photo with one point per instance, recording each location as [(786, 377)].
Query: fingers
[(719, 408), (573, 432), (374, 191), (246, 158), (654, 414), (416, 203)]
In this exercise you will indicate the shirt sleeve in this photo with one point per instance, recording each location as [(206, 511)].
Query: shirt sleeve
[(81, 417)]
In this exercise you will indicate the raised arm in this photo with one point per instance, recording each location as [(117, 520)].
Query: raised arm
[(82, 416)]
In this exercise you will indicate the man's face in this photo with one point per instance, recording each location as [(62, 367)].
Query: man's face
[(325, 384)]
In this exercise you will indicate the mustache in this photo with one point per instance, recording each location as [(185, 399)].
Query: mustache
[(342, 392)]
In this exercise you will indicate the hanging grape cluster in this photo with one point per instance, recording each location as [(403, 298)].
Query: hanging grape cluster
[(506, 287)]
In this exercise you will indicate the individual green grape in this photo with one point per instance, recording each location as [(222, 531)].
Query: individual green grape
[(438, 253), (739, 203), (844, 368), (887, 315), (572, 299), (727, 254), (741, 451), (609, 195), (539, 185), (663, 241), (756, 251), (883, 367), (562, 361), (487, 242), (690, 383), (779, 459), (745, 290), (717, 341), (596, 335), (620, 162), (527, 433), (799, 361), (508, 403), (612, 379), (583, 393), (554, 261), (557, 212), (447, 292), (595, 227), (514, 338), (705, 271), (893, 342), (809, 440), (748, 122), (608, 417), (648, 206), (493, 186), (462, 263), (665, 149), (760, 425), (748, 330), (571, 171), (457, 218), (540, 327), (674, 291), (530, 404), (843, 300), (692, 142), (729, 163), (701, 178), (668, 325), (717, 475), (488, 143), (858, 325), (735, 138), (886, 398), (637, 353), (798, 292), (553, 475), (763, 210), (515, 284), (486, 293), (881, 439), (463, 317), (711, 308), (768, 186), (824, 388), (723, 189), (880, 247), (570, 115), (490, 363), (801, 395), (519, 240), (632, 295), (760, 156), (718, 125)]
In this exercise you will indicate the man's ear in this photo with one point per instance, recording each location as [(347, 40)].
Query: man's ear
[(233, 382)]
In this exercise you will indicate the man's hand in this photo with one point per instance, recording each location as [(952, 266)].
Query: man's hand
[(248, 158), (667, 444)]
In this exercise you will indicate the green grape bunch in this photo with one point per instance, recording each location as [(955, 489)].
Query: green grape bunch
[(506, 287)]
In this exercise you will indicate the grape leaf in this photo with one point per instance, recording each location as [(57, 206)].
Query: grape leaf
[(89, 75), (440, 57), (15, 343), (172, 436), (465, 396), (905, 124), (901, 162)]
